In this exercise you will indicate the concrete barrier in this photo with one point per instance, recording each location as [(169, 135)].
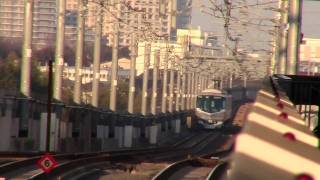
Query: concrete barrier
[(274, 143)]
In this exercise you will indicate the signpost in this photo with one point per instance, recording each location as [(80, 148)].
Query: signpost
[(47, 163)]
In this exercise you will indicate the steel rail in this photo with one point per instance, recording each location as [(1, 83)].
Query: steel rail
[(74, 159), (201, 161)]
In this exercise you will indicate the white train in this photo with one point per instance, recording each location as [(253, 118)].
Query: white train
[(213, 108)]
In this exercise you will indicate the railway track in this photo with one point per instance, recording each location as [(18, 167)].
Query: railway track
[(74, 163), (209, 166), (27, 169), (212, 165), (150, 166)]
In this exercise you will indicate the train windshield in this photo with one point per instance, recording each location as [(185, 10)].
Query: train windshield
[(211, 104)]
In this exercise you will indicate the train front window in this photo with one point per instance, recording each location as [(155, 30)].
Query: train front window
[(211, 104)]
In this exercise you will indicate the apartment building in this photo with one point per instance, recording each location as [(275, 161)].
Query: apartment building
[(310, 56), (174, 50), (184, 11), (44, 21), (139, 16)]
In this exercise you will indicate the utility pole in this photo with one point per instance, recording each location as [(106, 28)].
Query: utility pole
[(114, 70), (96, 58), (165, 84), (147, 48), (79, 53), (155, 82), (178, 91), (183, 90), (26, 49), (132, 85), (59, 61), (283, 37), (171, 86), (293, 36)]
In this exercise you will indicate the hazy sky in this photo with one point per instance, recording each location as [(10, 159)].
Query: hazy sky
[(255, 39), (310, 19)]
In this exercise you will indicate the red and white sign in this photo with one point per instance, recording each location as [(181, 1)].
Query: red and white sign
[(47, 163)]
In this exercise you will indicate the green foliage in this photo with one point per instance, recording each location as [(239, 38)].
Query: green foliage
[(104, 97), (9, 73), (10, 76), (122, 97)]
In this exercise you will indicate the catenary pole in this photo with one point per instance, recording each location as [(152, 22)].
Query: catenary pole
[(164, 84), (283, 37), (132, 85), (59, 61), (178, 91), (147, 49), (79, 53), (188, 90), (192, 89), (155, 81), (26, 49), (183, 90), (114, 69), (171, 85), (293, 36), (96, 58)]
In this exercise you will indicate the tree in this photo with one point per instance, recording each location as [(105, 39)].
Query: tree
[(9, 73)]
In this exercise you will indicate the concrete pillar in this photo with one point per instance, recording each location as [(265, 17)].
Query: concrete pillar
[(69, 129), (43, 131), (85, 130), (128, 134), (53, 132), (153, 134), (159, 130), (119, 135), (177, 126), (105, 137), (136, 132), (6, 127), (106, 132), (100, 131), (63, 129), (147, 132)]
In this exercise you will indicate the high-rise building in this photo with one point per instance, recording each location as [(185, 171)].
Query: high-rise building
[(139, 16), (184, 11), (145, 17), (44, 21), (309, 56)]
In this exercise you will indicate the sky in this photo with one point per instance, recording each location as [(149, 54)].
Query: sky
[(310, 21), (254, 39)]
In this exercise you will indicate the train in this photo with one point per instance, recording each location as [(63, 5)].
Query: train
[(213, 108)]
